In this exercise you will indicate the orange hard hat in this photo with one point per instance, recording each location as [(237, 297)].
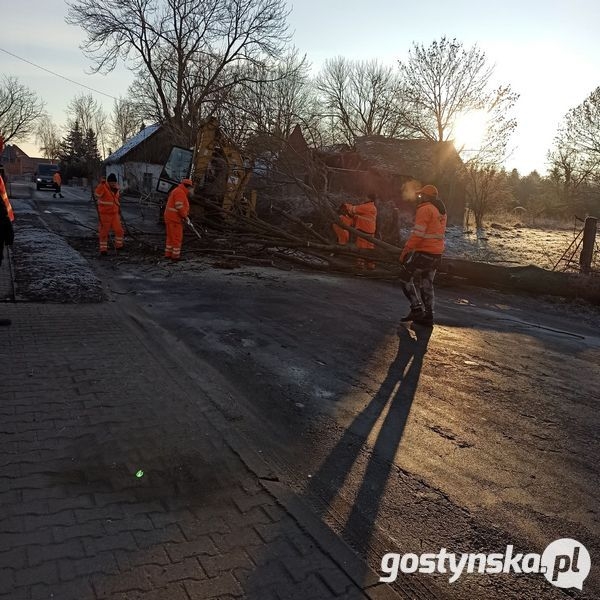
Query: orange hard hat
[(428, 190), (187, 182)]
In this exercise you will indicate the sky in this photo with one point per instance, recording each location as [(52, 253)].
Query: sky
[(548, 51)]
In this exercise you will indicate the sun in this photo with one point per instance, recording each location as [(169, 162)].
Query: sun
[(469, 130)]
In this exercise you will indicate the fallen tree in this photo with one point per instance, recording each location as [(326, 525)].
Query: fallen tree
[(530, 279), (307, 240), (302, 246)]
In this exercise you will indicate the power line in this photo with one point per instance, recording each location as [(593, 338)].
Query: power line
[(57, 74)]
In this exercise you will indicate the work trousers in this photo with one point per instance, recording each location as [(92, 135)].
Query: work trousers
[(108, 222), (419, 290), (174, 240), (363, 244)]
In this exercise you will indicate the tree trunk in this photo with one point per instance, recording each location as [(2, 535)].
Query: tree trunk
[(527, 279)]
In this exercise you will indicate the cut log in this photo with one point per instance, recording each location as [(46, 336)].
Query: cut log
[(527, 279)]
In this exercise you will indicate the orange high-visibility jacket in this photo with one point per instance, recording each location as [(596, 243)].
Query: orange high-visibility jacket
[(428, 232), (365, 216), (6, 201), (343, 235), (56, 178), (178, 205), (108, 199)]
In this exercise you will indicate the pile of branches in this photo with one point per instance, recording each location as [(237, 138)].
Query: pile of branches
[(240, 237)]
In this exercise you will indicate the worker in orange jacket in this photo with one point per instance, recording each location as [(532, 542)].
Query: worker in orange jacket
[(6, 218), (176, 212), (6, 201), (343, 235), (365, 220), (57, 181), (421, 255), (109, 204)]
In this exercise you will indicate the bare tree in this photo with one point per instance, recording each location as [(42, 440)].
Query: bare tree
[(88, 112), (488, 188), (444, 82), (125, 121), (360, 98), (182, 51), (270, 102), (20, 108), (47, 136), (575, 155)]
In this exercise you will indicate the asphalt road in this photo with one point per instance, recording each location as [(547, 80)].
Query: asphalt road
[(479, 434)]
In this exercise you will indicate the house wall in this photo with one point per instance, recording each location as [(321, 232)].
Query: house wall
[(131, 175)]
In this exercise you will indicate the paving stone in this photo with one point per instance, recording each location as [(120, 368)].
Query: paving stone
[(88, 403)]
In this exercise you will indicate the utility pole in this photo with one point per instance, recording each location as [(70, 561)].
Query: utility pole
[(589, 242)]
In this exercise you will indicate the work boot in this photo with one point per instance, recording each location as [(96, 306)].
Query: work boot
[(426, 319), (416, 313)]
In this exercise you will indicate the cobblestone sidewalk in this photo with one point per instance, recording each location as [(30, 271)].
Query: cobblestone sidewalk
[(115, 482)]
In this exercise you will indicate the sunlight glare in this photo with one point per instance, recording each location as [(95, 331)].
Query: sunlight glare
[(469, 130)]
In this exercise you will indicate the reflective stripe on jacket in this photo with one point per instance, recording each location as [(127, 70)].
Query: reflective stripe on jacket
[(108, 199), (4, 196), (429, 230), (178, 205)]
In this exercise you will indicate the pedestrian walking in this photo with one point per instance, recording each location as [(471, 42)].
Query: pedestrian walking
[(176, 212), (421, 255), (57, 181), (109, 203)]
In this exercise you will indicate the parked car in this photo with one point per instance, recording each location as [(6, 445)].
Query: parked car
[(43, 175)]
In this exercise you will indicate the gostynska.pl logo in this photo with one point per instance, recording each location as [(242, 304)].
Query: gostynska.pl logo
[(565, 563)]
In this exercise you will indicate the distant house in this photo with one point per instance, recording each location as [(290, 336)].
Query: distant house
[(17, 164), (383, 165), (379, 165), (139, 162)]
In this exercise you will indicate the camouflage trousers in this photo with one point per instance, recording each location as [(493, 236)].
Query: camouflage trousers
[(419, 289)]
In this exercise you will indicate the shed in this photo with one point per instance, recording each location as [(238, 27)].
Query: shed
[(139, 162)]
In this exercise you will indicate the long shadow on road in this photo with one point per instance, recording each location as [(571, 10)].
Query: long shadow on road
[(394, 398)]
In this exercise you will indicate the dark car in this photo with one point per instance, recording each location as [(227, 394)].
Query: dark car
[(43, 175)]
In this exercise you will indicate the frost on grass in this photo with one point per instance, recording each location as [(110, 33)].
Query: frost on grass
[(47, 269), (514, 246)]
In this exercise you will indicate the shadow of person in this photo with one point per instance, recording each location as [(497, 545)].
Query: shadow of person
[(395, 395)]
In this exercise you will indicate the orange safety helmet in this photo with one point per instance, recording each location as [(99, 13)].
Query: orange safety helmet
[(187, 182), (428, 190)]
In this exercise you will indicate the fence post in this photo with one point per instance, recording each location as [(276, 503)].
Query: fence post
[(589, 242)]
